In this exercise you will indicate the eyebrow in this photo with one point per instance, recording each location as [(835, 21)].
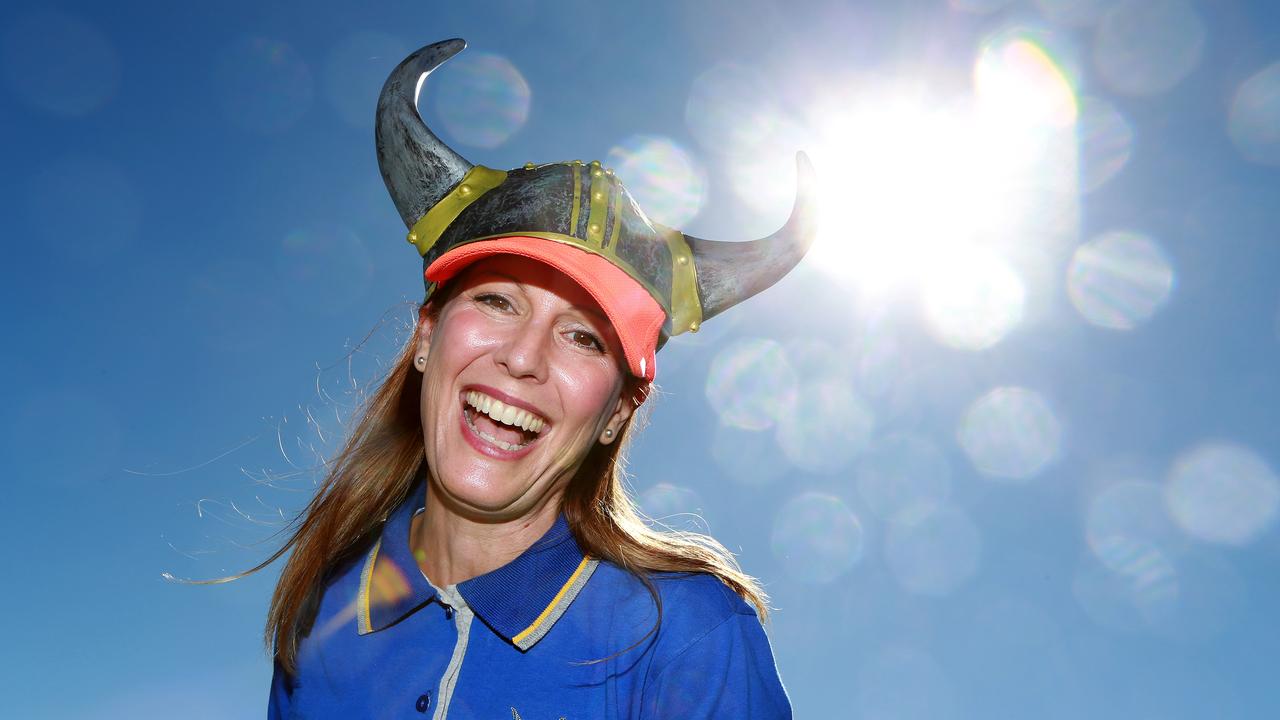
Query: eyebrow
[(585, 310)]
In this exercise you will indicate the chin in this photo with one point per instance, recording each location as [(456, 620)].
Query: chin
[(477, 493)]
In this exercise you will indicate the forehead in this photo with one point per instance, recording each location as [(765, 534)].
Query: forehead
[(532, 275)]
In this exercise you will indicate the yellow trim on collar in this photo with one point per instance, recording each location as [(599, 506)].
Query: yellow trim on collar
[(363, 622), (550, 608)]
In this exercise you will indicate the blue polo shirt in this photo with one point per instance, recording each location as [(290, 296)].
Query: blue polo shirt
[(518, 643)]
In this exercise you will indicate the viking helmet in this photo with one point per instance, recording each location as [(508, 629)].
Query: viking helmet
[(446, 202)]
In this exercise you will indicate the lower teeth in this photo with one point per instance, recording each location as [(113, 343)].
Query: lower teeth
[(500, 443), (504, 445)]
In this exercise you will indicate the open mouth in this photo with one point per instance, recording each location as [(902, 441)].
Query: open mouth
[(504, 426)]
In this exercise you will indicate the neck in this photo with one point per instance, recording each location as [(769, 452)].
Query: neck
[(451, 548)]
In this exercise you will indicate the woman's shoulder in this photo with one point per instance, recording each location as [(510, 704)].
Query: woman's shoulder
[(693, 603), (708, 637), (699, 594)]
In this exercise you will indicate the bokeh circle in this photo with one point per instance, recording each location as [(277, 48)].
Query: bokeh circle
[(817, 537)]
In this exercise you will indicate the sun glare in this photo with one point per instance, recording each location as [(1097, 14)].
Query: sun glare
[(910, 179)]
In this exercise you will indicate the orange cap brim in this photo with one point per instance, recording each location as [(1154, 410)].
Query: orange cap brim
[(636, 316)]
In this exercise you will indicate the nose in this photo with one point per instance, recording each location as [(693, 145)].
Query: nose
[(524, 352)]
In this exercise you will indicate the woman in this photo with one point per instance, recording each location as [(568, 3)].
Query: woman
[(473, 552)]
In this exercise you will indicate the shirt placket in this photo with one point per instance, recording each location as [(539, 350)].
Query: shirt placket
[(455, 607)]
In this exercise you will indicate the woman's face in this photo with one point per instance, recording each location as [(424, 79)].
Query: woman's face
[(523, 376)]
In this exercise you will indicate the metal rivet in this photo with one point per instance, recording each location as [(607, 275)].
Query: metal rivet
[(529, 166), (693, 326), (464, 189), (608, 171), (413, 237), (597, 195), (596, 173), (594, 228), (577, 162), (681, 259), (595, 163)]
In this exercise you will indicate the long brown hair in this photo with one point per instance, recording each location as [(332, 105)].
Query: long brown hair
[(375, 471)]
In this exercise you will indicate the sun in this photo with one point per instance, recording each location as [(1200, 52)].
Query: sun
[(929, 195)]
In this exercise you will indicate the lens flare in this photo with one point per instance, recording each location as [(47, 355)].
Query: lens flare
[(751, 384), (973, 301), (672, 505), (764, 180), (932, 551), (355, 71), (1188, 596), (1016, 80), (826, 426), (59, 63), (730, 110), (665, 180), (1138, 590), (981, 7), (817, 537), (1010, 433), (881, 362), (262, 84), (389, 583), (483, 99), (1222, 493), (903, 473), (1106, 142), (1119, 280), (816, 359), (1075, 13), (749, 457), (328, 266), (1124, 520), (1254, 120), (1146, 47)]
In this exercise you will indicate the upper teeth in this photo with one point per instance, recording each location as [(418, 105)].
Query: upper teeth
[(504, 413)]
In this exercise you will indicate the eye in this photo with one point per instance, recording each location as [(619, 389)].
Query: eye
[(494, 301), (586, 340)]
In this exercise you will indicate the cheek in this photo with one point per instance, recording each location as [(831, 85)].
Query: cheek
[(460, 341), (445, 362), (589, 392)]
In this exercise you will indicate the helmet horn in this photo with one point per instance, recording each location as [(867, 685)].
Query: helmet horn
[(416, 166), (730, 272)]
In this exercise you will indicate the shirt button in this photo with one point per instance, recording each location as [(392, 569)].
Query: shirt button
[(448, 613), (424, 702)]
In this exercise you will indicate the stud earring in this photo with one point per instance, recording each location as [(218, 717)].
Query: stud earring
[(422, 360), (608, 432)]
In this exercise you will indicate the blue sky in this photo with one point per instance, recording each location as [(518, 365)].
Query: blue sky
[(1004, 445)]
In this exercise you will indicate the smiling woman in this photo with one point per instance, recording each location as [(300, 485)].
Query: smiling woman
[(518, 346), (473, 551)]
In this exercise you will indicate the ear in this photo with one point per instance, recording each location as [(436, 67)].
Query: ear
[(622, 410), (426, 325)]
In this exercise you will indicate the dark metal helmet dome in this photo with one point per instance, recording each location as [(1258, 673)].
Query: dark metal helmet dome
[(445, 201)]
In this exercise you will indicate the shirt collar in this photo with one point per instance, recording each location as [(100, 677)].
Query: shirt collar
[(519, 601)]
